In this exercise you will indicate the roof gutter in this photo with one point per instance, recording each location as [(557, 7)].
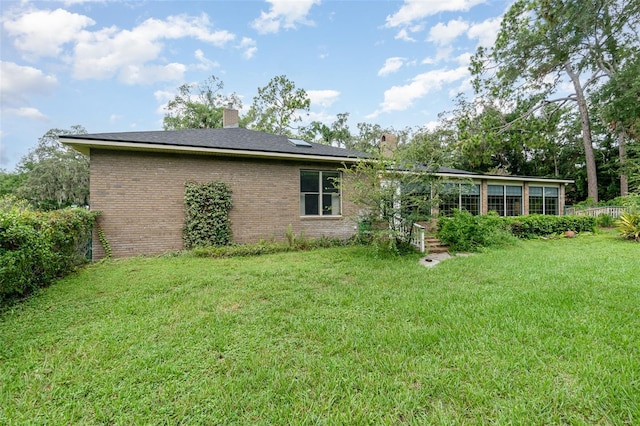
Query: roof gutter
[(84, 146), (487, 177)]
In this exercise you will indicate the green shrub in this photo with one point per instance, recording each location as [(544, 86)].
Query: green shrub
[(537, 225), (207, 214), (38, 247), (605, 220), (629, 226), (466, 232), (631, 203)]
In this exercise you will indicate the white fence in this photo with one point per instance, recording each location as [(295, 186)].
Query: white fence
[(615, 212)]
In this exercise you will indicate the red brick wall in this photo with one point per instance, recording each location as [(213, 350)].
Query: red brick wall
[(141, 196)]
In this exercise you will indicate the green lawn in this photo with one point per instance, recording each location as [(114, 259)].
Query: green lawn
[(545, 332)]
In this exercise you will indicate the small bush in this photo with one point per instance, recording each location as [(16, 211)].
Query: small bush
[(605, 220), (38, 247), (631, 203), (466, 232), (629, 226)]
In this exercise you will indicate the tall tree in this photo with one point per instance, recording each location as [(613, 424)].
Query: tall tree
[(56, 175), (368, 137), (199, 106), (617, 103), (10, 182), (317, 132), (510, 142), (278, 106), (338, 134), (429, 146), (543, 43)]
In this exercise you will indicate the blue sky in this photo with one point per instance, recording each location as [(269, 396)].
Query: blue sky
[(111, 66)]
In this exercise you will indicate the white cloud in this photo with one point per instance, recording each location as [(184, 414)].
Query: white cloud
[(74, 2), (27, 112), (4, 159), (431, 125), (486, 31), (249, 46), (464, 59), (399, 98), (444, 53), (19, 82), (403, 34), (44, 32), (163, 97), (324, 98), (110, 51), (205, 63), (284, 13), (134, 56), (391, 65), (415, 10), (134, 74), (322, 117), (444, 34)]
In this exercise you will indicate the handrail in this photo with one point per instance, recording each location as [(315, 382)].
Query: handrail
[(417, 237)]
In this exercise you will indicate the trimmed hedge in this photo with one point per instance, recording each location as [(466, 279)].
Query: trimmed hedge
[(537, 225), (38, 247)]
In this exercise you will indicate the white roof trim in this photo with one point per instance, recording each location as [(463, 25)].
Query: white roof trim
[(502, 178)]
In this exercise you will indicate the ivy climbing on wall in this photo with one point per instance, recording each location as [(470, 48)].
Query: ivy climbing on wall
[(207, 207)]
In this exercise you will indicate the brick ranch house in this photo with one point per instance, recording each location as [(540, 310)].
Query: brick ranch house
[(137, 181)]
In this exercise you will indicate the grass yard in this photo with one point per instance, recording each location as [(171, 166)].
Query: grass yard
[(545, 332)]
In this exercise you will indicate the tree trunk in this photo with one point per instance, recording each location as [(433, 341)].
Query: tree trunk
[(585, 125), (622, 155)]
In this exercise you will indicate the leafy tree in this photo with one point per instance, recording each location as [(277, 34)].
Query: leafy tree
[(617, 103), (10, 182), (543, 43), (391, 197), (277, 107), (429, 146), (56, 175), (338, 134), (317, 132), (368, 138), (512, 142), (199, 106)]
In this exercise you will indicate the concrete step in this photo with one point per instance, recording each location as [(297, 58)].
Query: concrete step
[(433, 245)]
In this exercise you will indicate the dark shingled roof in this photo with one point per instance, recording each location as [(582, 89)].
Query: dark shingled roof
[(221, 138)]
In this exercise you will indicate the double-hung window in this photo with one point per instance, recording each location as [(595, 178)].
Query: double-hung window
[(543, 200), (319, 193)]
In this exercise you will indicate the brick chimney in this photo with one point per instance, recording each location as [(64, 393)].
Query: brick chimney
[(229, 117), (388, 145)]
